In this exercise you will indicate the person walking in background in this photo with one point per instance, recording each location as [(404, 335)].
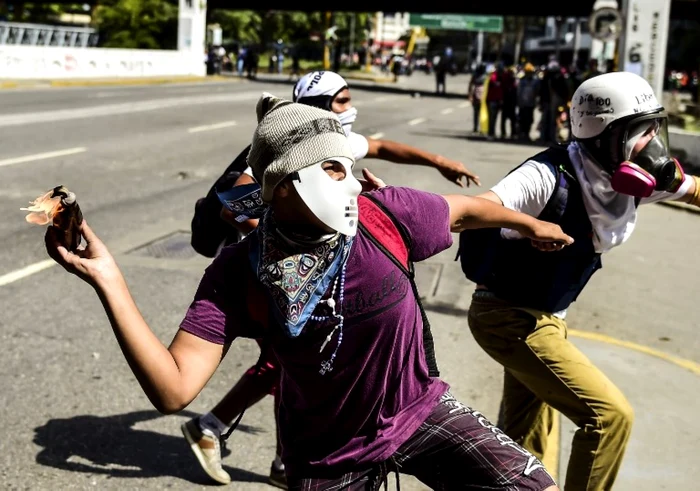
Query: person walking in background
[(240, 61), (527, 90), (443, 65), (494, 98), (509, 104), (476, 92), (294, 75), (554, 93)]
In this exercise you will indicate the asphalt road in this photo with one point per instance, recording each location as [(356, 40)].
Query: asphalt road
[(138, 158)]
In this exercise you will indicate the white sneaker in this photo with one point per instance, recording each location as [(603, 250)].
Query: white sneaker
[(206, 446)]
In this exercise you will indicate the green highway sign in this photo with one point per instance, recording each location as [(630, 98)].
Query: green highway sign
[(486, 23)]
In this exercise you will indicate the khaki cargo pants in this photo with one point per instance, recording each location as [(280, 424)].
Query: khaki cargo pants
[(545, 371)]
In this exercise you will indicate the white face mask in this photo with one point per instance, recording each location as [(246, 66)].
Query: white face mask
[(347, 118), (333, 202)]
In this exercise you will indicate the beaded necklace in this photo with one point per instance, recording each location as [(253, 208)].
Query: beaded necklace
[(327, 366)]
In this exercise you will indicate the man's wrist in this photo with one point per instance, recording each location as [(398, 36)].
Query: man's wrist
[(109, 282)]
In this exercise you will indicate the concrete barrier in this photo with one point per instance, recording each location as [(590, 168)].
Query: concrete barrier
[(38, 62)]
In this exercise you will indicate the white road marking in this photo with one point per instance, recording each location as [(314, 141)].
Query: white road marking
[(416, 121), (42, 156), (103, 95), (209, 127), (465, 104), (16, 275), (380, 99), (447, 110), (124, 108), (376, 136)]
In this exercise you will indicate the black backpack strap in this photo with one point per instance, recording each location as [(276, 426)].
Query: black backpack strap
[(406, 268)]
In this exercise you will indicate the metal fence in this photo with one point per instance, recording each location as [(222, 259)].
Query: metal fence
[(15, 33)]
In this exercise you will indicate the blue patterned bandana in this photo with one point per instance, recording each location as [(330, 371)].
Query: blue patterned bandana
[(295, 281)]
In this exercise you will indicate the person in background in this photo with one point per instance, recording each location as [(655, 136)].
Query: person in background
[(240, 60), (554, 94), (476, 92), (444, 64), (592, 71), (295, 64), (510, 103), (494, 99), (527, 90)]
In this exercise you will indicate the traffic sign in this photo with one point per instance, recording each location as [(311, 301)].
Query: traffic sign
[(605, 24), (485, 23)]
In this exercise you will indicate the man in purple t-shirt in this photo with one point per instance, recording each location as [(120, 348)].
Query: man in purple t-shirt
[(356, 398)]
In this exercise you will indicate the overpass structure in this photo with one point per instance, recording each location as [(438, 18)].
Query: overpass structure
[(680, 9)]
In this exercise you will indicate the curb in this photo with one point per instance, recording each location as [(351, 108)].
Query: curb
[(378, 80), (113, 82), (681, 206)]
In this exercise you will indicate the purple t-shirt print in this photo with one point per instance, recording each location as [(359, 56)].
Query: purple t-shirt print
[(379, 391)]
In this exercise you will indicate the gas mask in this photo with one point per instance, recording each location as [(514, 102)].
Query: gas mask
[(652, 169), (333, 202)]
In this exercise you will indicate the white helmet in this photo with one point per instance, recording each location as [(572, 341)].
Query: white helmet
[(607, 112)]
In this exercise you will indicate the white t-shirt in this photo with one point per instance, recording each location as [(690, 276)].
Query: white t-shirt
[(528, 188), (358, 144)]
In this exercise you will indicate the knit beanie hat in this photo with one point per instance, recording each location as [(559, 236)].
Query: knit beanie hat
[(291, 137)]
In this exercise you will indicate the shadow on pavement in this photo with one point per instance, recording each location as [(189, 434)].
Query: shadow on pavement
[(387, 88), (111, 446), (446, 309)]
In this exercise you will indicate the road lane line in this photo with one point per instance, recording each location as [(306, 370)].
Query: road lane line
[(447, 110), (42, 156), (209, 127), (376, 136), (464, 104), (380, 99), (678, 361), (416, 121), (18, 274), (124, 108)]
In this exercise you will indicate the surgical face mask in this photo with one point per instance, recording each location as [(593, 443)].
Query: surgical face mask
[(333, 202), (652, 169), (347, 118)]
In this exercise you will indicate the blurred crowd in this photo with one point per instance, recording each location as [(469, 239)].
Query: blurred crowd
[(682, 81), (512, 93)]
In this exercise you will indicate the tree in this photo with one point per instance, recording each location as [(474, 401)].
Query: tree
[(141, 24), (39, 12), (239, 26)]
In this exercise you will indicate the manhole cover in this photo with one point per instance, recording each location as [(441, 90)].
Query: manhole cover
[(174, 246)]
